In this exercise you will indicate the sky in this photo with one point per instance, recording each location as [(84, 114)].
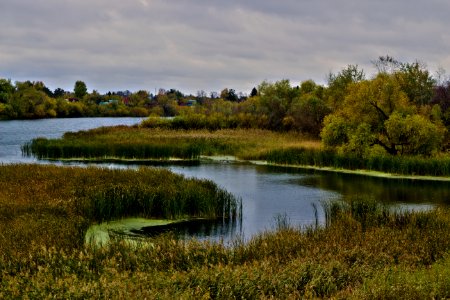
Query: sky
[(209, 45)]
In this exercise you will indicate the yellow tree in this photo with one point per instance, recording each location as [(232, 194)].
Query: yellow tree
[(376, 112)]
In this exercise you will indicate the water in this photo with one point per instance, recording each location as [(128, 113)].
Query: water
[(267, 193), (15, 133)]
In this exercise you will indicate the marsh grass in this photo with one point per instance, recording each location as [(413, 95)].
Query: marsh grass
[(405, 165), (53, 206), (156, 143), (365, 250), (140, 144)]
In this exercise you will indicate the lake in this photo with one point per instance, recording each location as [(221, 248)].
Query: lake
[(268, 193)]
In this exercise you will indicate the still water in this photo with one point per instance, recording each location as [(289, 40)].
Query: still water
[(267, 193), (15, 133)]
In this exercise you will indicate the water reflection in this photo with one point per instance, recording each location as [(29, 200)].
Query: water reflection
[(265, 194), (390, 191)]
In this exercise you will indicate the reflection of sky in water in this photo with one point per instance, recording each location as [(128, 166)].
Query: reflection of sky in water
[(266, 192), (264, 195)]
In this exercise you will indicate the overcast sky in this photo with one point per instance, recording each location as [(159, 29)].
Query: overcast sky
[(209, 45)]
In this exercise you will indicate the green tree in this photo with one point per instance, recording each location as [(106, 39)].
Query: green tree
[(308, 110), (6, 90), (59, 92), (275, 100), (80, 89), (29, 101), (416, 82), (338, 84)]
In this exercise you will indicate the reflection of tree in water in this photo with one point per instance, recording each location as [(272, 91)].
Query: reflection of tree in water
[(382, 189)]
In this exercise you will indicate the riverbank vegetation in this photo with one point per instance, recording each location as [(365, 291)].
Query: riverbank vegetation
[(396, 122), (363, 249), (50, 205), (401, 109), (139, 142)]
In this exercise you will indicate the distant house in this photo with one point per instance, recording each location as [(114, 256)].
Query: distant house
[(72, 99)]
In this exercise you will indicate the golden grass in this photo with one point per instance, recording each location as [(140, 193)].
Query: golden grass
[(133, 142)]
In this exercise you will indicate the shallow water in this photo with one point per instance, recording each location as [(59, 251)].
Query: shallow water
[(268, 193)]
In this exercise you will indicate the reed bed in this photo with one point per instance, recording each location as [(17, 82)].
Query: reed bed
[(138, 143), (53, 206), (405, 165), (364, 250), (156, 143)]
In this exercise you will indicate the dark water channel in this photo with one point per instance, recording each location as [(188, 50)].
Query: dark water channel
[(268, 193)]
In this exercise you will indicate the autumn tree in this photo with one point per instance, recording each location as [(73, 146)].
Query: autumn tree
[(229, 95), (378, 113), (30, 101)]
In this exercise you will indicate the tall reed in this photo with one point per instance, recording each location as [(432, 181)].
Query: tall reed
[(142, 143), (407, 165), (169, 197)]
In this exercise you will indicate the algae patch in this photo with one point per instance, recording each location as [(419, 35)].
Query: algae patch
[(100, 234)]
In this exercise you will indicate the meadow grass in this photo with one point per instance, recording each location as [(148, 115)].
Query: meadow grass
[(364, 250)]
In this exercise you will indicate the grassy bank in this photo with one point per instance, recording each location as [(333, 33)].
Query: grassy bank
[(363, 251)]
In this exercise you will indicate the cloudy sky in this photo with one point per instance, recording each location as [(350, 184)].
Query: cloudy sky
[(208, 45)]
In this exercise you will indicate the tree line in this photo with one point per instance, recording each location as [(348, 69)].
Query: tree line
[(402, 109)]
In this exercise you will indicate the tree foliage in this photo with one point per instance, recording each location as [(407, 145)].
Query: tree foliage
[(378, 113), (338, 84), (80, 89), (401, 110)]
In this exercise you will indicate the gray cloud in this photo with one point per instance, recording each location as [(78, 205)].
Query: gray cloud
[(209, 45)]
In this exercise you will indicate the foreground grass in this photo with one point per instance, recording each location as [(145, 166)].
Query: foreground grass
[(363, 251), (53, 206)]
